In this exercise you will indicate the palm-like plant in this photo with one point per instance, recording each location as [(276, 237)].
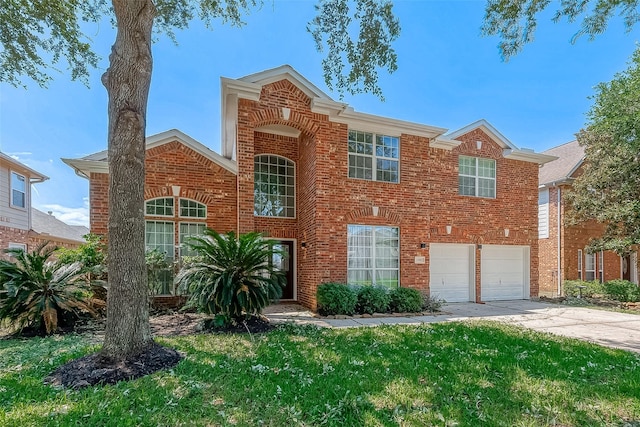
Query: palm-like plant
[(231, 276), (34, 290)]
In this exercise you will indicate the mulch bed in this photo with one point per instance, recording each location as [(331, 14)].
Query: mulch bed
[(95, 369)]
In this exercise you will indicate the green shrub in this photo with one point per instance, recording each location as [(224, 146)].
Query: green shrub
[(431, 303), (622, 290), (405, 300), (336, 298), (571, 288), (230, 277), (36, 292), (373, 299)]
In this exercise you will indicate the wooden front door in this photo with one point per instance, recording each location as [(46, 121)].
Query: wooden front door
[(285, 262)]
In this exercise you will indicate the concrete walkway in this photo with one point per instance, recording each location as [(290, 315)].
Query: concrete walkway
[(607, 328)]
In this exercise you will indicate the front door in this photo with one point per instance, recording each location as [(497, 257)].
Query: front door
[(284, 261), (626, 267)]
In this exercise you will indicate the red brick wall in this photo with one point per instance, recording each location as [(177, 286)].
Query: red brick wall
[(424, 202), (174, 164), (548, 259), (13, 235)]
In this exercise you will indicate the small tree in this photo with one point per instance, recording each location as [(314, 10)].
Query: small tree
[(232, 277), (36, 291)]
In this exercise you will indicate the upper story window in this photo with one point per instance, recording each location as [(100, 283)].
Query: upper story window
[(373, 157), (18, 190), (159, 207), (274, 186), (192, 209), (476, 177)]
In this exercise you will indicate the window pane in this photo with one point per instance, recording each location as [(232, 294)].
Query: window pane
[(192, 209), (466, 186), (373, 255), (18, 190), (476, 177), (188, 230), (159, 207), (274, 191)]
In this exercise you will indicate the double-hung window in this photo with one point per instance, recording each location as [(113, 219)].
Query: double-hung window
[(476, 177), (374, 157), (589, 267), (18, 190), (373, 255)]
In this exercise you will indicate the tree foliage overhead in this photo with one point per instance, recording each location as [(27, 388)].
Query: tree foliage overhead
[(352, 63), (515, 21), (608, 190), (38, 36)]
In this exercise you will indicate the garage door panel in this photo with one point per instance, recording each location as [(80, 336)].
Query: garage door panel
[(449, 271), (503, 271)]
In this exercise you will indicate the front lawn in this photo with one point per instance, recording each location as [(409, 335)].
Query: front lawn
[(447, 374)]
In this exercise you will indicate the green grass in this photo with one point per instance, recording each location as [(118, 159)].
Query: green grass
[(445, 374)]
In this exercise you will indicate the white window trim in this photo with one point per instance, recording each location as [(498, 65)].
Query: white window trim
[(373, 156), (179, 208), (179, 243), (600, 266), (156, 215), (295, 188), (586, 266), (26, 189), (580, 272), (173, 224), (477, 177), (13, 245), (373, 254)]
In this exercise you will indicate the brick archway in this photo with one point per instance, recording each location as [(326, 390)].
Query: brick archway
[(286, 117), (391, 217)]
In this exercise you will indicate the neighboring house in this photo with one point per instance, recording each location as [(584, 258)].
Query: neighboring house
[(15, 202), (562, 248), (47, 228), (351, 197)]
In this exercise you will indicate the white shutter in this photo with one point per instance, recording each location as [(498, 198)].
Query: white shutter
[(543, 213)]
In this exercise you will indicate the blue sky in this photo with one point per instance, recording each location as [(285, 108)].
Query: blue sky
[(448, 76)]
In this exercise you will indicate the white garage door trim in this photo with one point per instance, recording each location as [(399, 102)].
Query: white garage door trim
[(452, 272), (504, 272)]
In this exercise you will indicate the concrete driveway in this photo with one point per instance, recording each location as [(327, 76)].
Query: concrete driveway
[(607, 328)]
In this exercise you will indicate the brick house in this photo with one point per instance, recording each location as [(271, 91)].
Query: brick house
[(562, 247), (352, 197), (15, 202)]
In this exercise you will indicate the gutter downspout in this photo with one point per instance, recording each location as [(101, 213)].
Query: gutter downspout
[(559, 243)]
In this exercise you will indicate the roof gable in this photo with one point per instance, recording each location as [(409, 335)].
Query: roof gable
[(570, 157), (286, 72), (97, 162), (34, 176)]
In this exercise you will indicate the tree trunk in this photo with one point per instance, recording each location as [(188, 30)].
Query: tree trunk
[(127, 81)]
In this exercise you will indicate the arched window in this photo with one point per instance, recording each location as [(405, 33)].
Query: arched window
[(192, 209), (159, 207), (274, 186)]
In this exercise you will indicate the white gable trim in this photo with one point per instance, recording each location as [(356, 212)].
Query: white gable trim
[(97, 162), (289, 73), (487, 128)]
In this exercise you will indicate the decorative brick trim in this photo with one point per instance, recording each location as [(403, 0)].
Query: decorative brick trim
[(386, 213), (456, 234), (273, 116)]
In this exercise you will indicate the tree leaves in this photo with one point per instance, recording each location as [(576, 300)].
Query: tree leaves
[(515, 21), (608, 190)]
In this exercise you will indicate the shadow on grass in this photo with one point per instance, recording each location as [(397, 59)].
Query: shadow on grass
[(440, 374)]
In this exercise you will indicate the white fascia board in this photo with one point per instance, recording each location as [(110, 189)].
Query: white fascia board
[(528, 156), (444, 143), (244, 90), (575, 168), (176, 135), (327, 106), (84, 168), (379, 124), (488, 129), (556, 183), (34, 176), (289, 73)]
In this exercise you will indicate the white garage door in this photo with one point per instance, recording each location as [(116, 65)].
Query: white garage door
[(451, 272), (504, 272)]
